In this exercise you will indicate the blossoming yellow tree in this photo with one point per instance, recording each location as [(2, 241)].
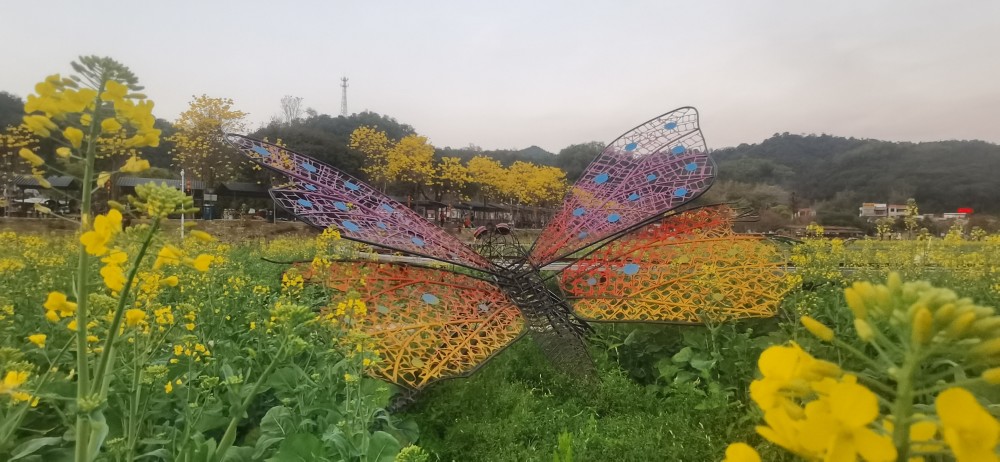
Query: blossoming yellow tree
[(199, 146)]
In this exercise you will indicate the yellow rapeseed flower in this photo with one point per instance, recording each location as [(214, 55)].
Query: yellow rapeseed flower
[(201, 235), (114, 277), (992, 375), (168, 255), (110, 125), (105, 228), (103, 178), (741, 452), (865, 331), (57, 303), (38, 340), (31, 157), (116, 257), (202, 261), (817, 328), (41, 125), (135, 165), (74, 136), (64, 152), (134, 317), (114, 91), (170, 281), (923, 321), (13, 380), (970, 430)]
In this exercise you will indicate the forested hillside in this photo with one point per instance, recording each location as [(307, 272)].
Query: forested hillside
[(836, 174)]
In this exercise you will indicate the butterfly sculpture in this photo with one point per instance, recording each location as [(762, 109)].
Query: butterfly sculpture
[(628, 255)]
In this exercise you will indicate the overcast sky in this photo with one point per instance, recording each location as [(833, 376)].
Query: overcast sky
[(509, 74)]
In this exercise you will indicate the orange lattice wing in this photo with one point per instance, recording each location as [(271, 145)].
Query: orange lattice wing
[(428, 324), (685, 268)]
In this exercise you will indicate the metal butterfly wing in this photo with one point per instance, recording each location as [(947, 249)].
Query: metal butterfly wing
[(689, 267), (428, 324)]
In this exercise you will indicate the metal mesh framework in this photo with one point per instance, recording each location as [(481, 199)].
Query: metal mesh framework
[(656, 167), (324, 196), (688, 266), (428, 324)]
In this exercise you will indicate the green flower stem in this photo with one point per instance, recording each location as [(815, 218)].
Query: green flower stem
[(903, 407), (230, 436), (82, 452), (860, 355), (102, 368), (944, 386)]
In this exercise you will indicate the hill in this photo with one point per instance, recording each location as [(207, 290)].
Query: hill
[(837, 174)]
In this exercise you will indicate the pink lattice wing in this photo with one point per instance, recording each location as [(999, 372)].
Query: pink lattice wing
[(326, 197), (656, 167)]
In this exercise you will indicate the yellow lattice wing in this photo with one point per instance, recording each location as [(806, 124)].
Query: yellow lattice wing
[(687, 268), (427, 324)]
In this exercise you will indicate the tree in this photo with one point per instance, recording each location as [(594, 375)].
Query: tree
[(490, 176), (327, 138), (375, 145), (410, 163), (574, 159), (883, 226), (11, 110), (450, 178), (199, 146), (291, 108), (910, 220)]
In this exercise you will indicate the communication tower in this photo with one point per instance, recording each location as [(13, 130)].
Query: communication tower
[(343, 96)]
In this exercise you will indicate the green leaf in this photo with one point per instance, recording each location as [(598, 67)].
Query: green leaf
[(382, 447), (278, 421), (286, 379), (29, 447), (684, 355), (703, 365), (300, 447), (162, 454), (98, 432)]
